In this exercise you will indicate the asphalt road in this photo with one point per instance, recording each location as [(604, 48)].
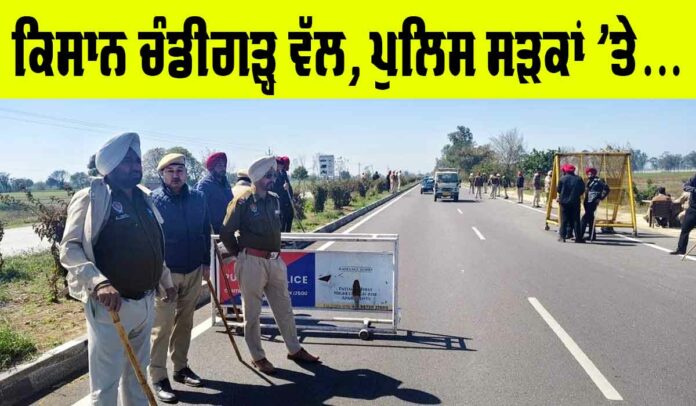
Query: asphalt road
[(20, 240), (495, 311)]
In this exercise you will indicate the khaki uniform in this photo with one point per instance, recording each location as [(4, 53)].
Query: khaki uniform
[(257, 220)]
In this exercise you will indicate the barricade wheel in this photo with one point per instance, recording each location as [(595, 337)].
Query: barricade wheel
[(546, 227), (364, 334), (239, 331)]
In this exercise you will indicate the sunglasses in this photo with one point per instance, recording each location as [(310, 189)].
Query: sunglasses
[(270, 175)]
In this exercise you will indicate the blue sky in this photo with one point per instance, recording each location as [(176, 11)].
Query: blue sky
[(39, 136)]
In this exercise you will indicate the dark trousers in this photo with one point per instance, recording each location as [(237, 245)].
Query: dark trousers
[(286, 220), (588, 219), (570, 220), (687, 225)]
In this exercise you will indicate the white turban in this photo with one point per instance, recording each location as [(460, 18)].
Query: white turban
[(260, 167), (112, 153)]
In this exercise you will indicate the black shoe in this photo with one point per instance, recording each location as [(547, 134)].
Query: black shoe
[(164, 392), (677, 253), (187, 377), (579, 241), (561, 239)]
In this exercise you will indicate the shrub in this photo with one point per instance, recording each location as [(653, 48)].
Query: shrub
[(320, 192), (340, 193)]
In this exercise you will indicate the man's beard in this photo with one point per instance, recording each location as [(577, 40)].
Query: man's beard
[(125, 182)]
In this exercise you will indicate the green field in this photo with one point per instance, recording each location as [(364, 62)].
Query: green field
[(16, 217), (672, 181)]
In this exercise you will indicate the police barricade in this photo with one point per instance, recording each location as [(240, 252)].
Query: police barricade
[(325, 282)]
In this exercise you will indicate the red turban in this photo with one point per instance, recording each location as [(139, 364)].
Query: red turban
[(283, 160), (590, 170), (568, 168), (210, 162)]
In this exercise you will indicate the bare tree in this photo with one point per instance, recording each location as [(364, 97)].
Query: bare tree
[(509, 148)]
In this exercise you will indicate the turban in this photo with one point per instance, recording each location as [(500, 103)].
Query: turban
[(590, 170), (283, 160), (260, 167), (568, 168), (171, 159), (242, 174), (112, 153), (212, 159)]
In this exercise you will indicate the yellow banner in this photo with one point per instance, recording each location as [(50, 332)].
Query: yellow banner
[(359, 49)]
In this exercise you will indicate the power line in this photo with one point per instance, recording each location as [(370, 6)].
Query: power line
[(104, 128)]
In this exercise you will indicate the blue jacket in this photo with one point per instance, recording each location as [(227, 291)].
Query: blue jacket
[(219, 195), (186, 228)]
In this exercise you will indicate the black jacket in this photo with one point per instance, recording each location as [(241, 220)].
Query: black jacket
[(285, 203), (570, 189), (597, 190)]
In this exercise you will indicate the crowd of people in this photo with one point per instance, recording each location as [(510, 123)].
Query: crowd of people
[(573, 193), (142, 255), (479, 184), (394, 179)]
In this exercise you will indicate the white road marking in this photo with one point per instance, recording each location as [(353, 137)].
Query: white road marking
[(478, 233), (655, 246), (361, 222), (198, 330), (525, 206), (460, 211), (602, 383)]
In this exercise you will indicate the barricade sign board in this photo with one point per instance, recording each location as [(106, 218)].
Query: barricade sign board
[(327, 280)]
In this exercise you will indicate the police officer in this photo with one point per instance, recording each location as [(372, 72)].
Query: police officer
[(570, 190), (596, 191), (689, 221), (478, 184), (113, 249), (255, 216), (520, 187), (536, 183), (187, 248), (283, 189), (216, 188)]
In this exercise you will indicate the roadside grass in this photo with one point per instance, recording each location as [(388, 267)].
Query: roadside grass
[(27, 318), (14, 347)]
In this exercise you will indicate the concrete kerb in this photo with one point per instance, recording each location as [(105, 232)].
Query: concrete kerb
[(68, 361)]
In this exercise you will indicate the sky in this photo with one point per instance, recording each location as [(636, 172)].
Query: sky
[(40, 136)]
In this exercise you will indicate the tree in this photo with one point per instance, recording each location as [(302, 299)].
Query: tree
[(538, 160), (669, 162), (195, 169), (300, 173), (5, 182), (79, 180), (344, 175), (509, 148), (92, 166), (638, 159), (150, 160), (20, 184), (462, 152), (654, 162), (57, 179), (690, 160)]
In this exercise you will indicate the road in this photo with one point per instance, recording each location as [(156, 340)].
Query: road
[(21, 239), (495, 312)]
